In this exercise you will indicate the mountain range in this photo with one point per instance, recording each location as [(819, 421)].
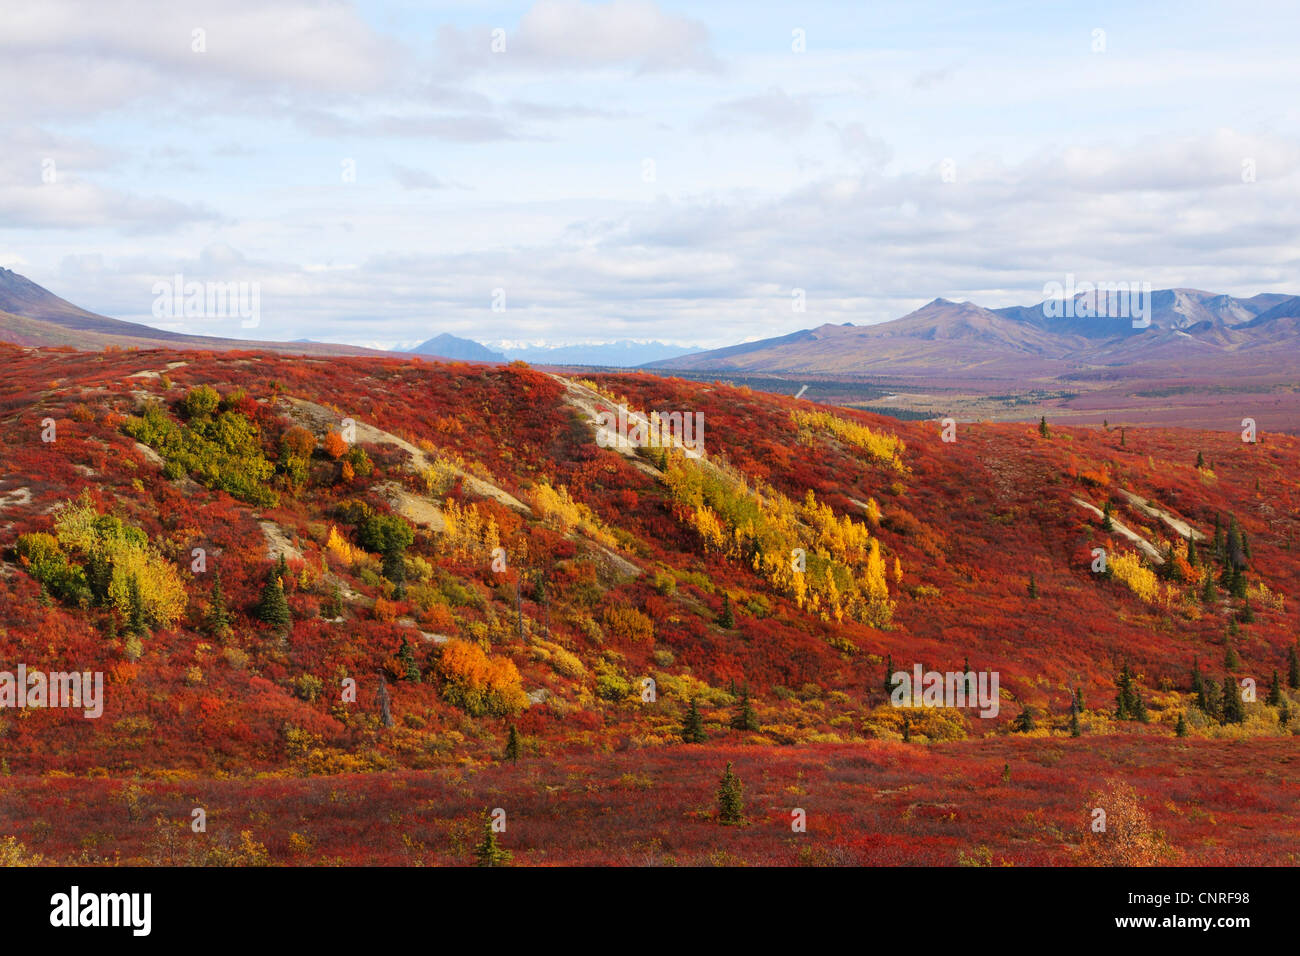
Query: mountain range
[(1185, 334), (624, 353), (1189, 331), (31, 315)]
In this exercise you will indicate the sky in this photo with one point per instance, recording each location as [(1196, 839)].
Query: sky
[(566, 171)]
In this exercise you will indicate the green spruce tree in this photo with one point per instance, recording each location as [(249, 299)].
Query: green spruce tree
[(512, 745), (731, 798), (726, 619), (1024, 721), (136, 622), (218, 616), (1232, 711), (272, 608), (1274, 698), (693, 725), (489, 852), (745, 718), (406, 656)]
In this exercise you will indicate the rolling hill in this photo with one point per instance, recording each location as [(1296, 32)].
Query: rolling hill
[(323, 592), (33, 316)]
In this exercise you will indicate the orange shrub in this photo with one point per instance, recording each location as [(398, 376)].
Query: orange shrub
[(385, 610), (480, 684), (438, 618), (628, 623), (335, 446)]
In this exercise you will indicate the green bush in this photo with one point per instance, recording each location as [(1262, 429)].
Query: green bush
[(612, 687), (222, 451)]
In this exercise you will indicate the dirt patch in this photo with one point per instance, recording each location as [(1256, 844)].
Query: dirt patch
[(277, 542), (1176, 523), (417, 510), (617, 563), (590, 402), (16, 498), (149, 453), (319, 419), (1149, 549)]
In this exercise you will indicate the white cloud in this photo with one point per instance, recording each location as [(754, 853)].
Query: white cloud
[(574, 35)]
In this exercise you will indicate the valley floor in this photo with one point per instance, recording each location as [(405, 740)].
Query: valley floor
[(999, 801)]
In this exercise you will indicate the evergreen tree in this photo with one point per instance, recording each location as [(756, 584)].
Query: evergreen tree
[(745, 718), (1180, 728), (406, 656), (281, 568), (1208, 592), (1247, 615), (1075, 730), (889, 674), (272, 608), (1125, 705), (1284, 715), (1123, 437), (99, 575), (1274, 698), (1042, 426), (1230, 659), (1024, 721), (731, 798), (394, 569), (1200, 460), (693, 725), (489, 852), (1218, 537), (726, 619), (1232, 710), (1169, 569), (218, 618), (1192, 558), (1139, 708), (512, 744), (1106, 523), (1293, 668), (1208, 699), (135, 621), (332, 606), (907, 728), (1033, 586), (1198, 686), (1236, 553)]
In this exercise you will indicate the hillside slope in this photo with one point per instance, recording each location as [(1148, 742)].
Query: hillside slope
[(457, 544)]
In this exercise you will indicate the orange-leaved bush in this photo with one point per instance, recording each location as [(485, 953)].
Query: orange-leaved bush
[(479, 684)]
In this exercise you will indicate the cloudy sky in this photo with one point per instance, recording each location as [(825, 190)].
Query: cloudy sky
[(637, 169)]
